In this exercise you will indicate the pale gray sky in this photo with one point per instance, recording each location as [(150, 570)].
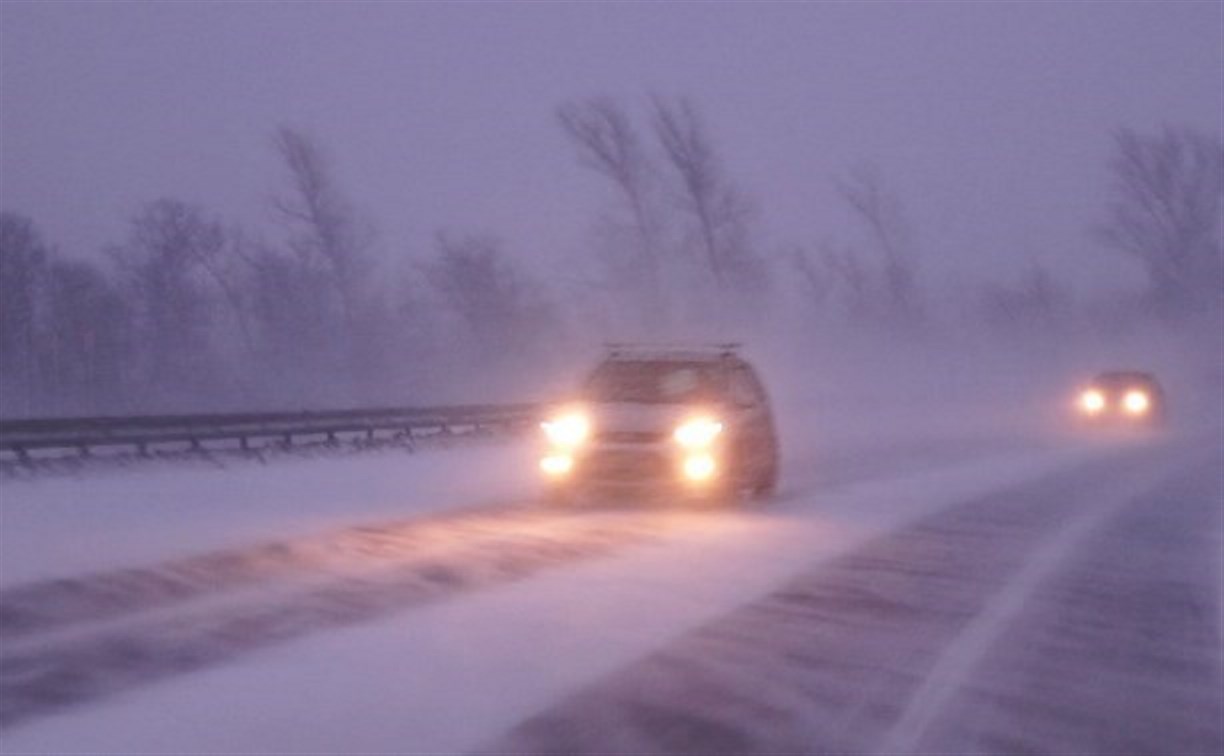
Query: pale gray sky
[(991, 120)]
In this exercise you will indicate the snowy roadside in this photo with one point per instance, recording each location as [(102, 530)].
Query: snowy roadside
[(59, 526)]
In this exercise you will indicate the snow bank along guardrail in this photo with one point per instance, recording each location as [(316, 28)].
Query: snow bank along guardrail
[(26, 440)]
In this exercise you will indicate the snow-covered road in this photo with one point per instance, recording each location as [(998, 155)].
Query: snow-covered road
[(949, 597), (1077, 613)]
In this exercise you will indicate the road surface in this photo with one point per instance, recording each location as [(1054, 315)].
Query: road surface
[(1017, 598)]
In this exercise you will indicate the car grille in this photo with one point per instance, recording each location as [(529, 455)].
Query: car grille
[(630, 437), (626, 465)]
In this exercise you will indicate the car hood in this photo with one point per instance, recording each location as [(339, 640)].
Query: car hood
[(618, 417)]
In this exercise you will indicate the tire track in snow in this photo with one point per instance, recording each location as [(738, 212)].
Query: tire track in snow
[(38, 608), (414, 565)]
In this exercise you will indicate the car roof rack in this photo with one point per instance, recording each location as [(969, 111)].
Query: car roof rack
[(1125, 375), (638, 350)]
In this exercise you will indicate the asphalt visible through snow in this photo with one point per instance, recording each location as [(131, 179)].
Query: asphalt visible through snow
[(1076, 614)]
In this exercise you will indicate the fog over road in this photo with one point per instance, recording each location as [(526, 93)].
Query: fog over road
[(1020, 596)]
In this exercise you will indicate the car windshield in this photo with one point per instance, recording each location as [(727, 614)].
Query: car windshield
[(654, 382)]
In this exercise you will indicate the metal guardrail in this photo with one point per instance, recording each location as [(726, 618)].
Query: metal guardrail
[(18, 438)]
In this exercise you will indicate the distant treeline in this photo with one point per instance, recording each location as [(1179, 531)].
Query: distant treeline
[(192, 313)]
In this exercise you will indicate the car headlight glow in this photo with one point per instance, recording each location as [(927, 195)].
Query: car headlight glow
[(1136, 402), (1092, 401), (698, 433), (556, 465), (699, 467), (567, 430)]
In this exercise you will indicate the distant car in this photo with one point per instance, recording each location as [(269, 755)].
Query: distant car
[(1122, 398), (688, 421)]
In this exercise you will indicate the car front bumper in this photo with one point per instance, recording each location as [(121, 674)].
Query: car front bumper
[(634, 467)]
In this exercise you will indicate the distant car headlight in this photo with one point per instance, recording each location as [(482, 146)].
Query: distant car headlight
[(698, 433), (1136, 402), (567, 430), (1092, 401)]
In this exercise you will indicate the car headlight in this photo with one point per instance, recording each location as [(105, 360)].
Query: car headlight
[(698, 433), (567, 430), (557, 465), (699, 467), (1136, 402), (1092, 401)]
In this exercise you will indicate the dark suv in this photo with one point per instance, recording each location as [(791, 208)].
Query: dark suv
[(687, 420)]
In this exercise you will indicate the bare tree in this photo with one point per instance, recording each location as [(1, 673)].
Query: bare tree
[(608, 144), (87, 340), (23, 259), (817, 285), (1166, 214), (837, 276), (298, 335), (325, 230), (874, 281), (880, 212), (501, 309), (165, 263), (719, 210), (1037, 302), (324, 279)]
